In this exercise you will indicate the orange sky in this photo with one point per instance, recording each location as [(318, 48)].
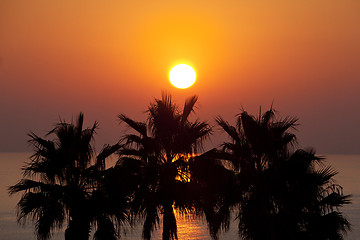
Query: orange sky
[(109, 57)]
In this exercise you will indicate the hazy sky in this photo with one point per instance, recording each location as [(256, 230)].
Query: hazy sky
[(103, 58)]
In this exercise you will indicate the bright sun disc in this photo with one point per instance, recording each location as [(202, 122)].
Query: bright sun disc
[(182, 76)]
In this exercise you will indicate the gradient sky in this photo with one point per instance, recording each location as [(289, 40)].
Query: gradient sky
[(103, 58)]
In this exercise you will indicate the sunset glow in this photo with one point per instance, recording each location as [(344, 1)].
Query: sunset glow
[(247, 54), (193, 105)]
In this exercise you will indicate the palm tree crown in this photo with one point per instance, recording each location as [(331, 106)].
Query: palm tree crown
[(282, 193), (159, 152), (63, 182)]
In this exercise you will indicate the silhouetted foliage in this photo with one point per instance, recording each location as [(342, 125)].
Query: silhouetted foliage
[(216, 187), (285, 194), (66, 182), (277, 191), (158, 152)]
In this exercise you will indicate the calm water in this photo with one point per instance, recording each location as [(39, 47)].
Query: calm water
[(188, 228)]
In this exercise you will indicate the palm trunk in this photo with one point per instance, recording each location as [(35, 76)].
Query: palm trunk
[(79, 224), (79, 229), (169, 222)]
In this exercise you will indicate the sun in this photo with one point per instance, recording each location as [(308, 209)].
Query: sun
[(182, 76)]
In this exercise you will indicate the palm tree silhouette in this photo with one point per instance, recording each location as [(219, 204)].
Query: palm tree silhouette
[(283, 194), (65, 182), (280, 192), (159, 152)]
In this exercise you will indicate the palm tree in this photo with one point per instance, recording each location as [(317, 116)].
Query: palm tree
[(297, 200), (159, 152), (282, 193), (66, 182)]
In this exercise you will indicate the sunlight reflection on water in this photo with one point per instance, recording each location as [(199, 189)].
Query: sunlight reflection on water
[(192, 229), (189, 228)]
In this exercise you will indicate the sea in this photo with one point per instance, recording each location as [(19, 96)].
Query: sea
[(189, 228)]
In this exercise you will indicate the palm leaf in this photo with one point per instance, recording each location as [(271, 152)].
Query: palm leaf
[(140, 127), (230, 130), (188, 108), (107, 151)]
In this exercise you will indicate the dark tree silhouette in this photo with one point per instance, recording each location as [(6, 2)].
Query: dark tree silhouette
[(279, 192), (66, 182), (159, 152), (283, 194), (215, 187)]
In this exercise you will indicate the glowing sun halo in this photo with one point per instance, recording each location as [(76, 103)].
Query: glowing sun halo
[(182, 76)]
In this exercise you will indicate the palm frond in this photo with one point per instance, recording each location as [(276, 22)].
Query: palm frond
[(47, 212), (334, 200), (31, 185), (267, 117), (107, 151), (151, 221), (325, 175), (40, 144), (140, 127), (228, 128), (188, 108), (283, 125)]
